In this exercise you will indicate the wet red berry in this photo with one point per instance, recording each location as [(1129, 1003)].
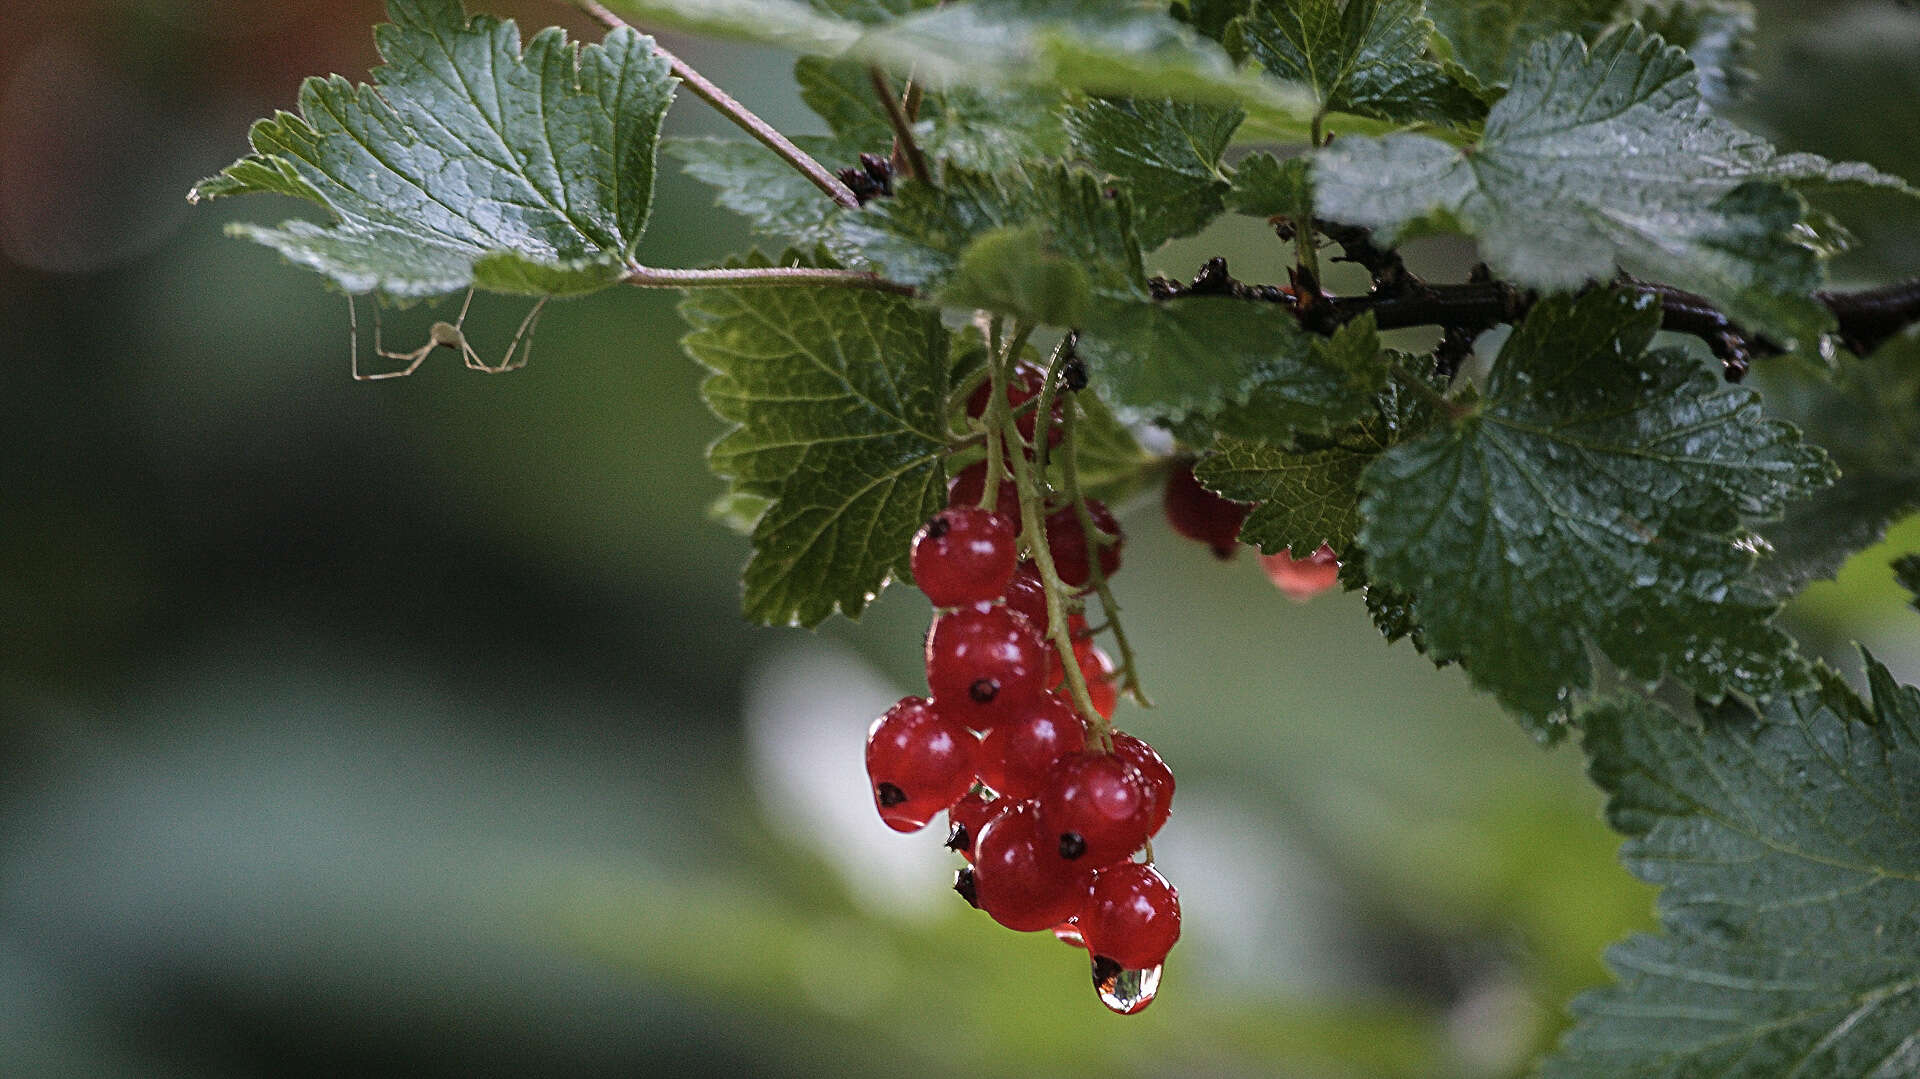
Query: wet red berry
[(982, 663), (919, 763), (1302, 578), (966, 818), (1027, 381), (1019, 879), (1199, 514), (1158, 777), (1018, 756), (964, 554), (1132, 916), (970, 486), (1068, 543), (1098, 808)]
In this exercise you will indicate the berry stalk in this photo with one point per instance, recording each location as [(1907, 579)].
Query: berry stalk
[(1070, 482)]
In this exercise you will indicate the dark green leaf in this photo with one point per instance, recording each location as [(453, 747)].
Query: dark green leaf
[(1111, 465), (1308, 488), (1605, 161), (838, 398), (463, 152), (1718, 34), (1367, 57), (1866, 415), (1788, 849), (1131, 48), (1014, 272), (1167, 154), (1597, 497), (979, 128), (1264, 186), (1174, 358), (918, 235), (749, 180), (1907, 570)]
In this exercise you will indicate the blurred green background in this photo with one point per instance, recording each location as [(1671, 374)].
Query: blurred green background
[(409, 728)]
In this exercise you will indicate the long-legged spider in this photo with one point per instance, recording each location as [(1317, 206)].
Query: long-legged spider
[(441, 335)]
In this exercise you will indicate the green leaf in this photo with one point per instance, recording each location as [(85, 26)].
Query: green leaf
[(1265, 186), (1605, 161), (1489, 37), (1906, 569), (838, 398), (980, 128), (1866, 414), (1336, 383), (1110, 47), (467, 162), (919, 235), (750, 181), (1174, 358), (1307, 490), (1718, 34), (1596, 497), (1367, 57), (1788, 850), (1109, 461), (1167, 154), (1013, 271)]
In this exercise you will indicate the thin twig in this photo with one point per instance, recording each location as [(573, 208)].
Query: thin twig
[(753, 125), (904, 146), (762, 276)]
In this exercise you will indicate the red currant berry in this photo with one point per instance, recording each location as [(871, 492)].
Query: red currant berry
[(1096, 669), (1019, 753), (1132, 916), (970, 486), (1017, 877), (1302, 578), (1199, 514), (1024, 386), (982, 663), (919, 761), (964, 555), (967, 817), (1158, 776), (1098, 809), (1068, 543)]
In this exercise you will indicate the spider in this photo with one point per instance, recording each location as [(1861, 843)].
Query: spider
[(440, 335)]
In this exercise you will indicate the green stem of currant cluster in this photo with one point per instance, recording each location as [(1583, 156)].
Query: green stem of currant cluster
[(1096, 539), (996, 404), (1030, 481)]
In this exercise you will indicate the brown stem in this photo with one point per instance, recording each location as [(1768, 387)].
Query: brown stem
[(905, 150), (724, 102)]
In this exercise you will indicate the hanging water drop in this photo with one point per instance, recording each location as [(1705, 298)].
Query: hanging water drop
[(1122, 990)]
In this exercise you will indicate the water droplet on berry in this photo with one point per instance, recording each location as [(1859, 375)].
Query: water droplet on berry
[(1124, 991)]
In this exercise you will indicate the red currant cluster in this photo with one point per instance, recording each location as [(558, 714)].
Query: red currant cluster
[(1049, 804), (1201, 515)]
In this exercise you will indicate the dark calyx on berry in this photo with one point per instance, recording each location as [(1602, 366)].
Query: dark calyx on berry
[(871, 180), (984, 690), (963, 884), (889, 795), (1072, 846), (958, 838)]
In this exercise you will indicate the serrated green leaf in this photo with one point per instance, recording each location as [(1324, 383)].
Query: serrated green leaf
[(1265, 186), (750, 181), (1013, 271), (1489, 37), (1110, 47), (1605, 161), (1307, 488), (466, 151), (1174, 358), (918, 235), (1906, 569), (1336, 384), (1367, 57), (1596, 497), (979, 128), (1166, 153), (1788, 850), (1866, 414), (839, 401), (1717, 34)]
